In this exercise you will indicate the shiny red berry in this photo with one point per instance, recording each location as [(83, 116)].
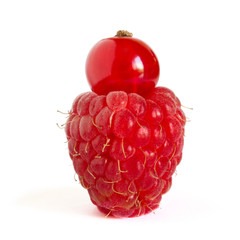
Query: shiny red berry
[(122, 63)]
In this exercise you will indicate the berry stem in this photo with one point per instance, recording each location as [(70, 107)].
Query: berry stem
[(123, 33)]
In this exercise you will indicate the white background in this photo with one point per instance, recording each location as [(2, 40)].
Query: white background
[(43, 48)]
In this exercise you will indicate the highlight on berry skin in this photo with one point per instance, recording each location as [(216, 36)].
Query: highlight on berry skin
[(125, 137)]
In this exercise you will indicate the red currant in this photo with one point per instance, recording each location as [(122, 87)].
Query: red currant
[(122, 63)]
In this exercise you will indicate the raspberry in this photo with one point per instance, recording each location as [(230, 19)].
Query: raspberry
[(125, 148)]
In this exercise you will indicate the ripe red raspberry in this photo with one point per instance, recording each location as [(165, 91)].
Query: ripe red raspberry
[(125, 148)]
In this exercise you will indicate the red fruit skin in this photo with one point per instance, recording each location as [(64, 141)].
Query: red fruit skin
[(122, 63), (125, 148)]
